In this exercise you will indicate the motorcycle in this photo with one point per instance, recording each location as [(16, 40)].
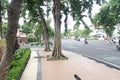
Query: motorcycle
[(86, 42), (118, 47)]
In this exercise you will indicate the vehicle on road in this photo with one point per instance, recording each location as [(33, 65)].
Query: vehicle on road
[(77, 38), (118, 45), (86, 42)]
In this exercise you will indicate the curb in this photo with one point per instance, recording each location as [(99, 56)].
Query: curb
[(104, 62)]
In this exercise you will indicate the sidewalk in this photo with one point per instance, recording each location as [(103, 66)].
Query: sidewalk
[(30, 72), (85, 68)]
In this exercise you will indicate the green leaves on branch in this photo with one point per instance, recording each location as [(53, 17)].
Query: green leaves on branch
[(108, 16), (27, 28)]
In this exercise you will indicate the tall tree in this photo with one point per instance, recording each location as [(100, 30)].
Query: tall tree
[(0, 19), (108, 16), (57, 50), (13, 17), (45, 28), (35, 10), (77, 7)]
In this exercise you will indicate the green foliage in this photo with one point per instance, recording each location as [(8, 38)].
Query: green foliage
[(30, 39), (4, 28), (108, 16), (40, 43), (37, 43), (38, 31), (18, 63), (50, 30), (4, 7), (19, 53), (27, 28), (86, 32)]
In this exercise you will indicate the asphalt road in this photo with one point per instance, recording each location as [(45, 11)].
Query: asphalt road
[(101, 51)]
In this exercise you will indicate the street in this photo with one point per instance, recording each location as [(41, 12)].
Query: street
[(101, 51)]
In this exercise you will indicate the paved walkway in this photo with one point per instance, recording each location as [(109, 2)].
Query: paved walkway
[(85, 68), (30, 72)]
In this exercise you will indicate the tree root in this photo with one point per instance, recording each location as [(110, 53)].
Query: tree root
[(51, 57)]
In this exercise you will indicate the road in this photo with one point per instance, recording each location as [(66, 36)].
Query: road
[(101, 51)]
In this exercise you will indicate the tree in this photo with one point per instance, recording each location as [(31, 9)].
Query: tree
[(50, 30), (57, 51), (0, 19), (3, 5), (38, 31), (13, 17), (27, 27), (45, 28), (37, 14), (108, 16), (77, 7)]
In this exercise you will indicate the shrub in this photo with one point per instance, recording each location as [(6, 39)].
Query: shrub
[(40, 43), (18, 64), (37, 43), (31, 39)]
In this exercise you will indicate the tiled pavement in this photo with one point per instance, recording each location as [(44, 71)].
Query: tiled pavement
[(38, 68)]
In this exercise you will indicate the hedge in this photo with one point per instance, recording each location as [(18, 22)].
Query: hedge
[(18, 64)]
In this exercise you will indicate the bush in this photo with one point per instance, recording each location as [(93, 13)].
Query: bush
[(40, 43), (37, 43), (18, 64), (31, 39)]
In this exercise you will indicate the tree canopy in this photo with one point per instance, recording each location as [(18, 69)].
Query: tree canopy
[(108, 16)]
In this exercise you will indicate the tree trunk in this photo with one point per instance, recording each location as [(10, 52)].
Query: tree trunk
[(0, 20), (46, 38), (13, 17), (57, 51)]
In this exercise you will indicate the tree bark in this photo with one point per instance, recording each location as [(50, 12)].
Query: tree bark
[(57, 51), (45, 28), (0, 20), (13, 17)]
